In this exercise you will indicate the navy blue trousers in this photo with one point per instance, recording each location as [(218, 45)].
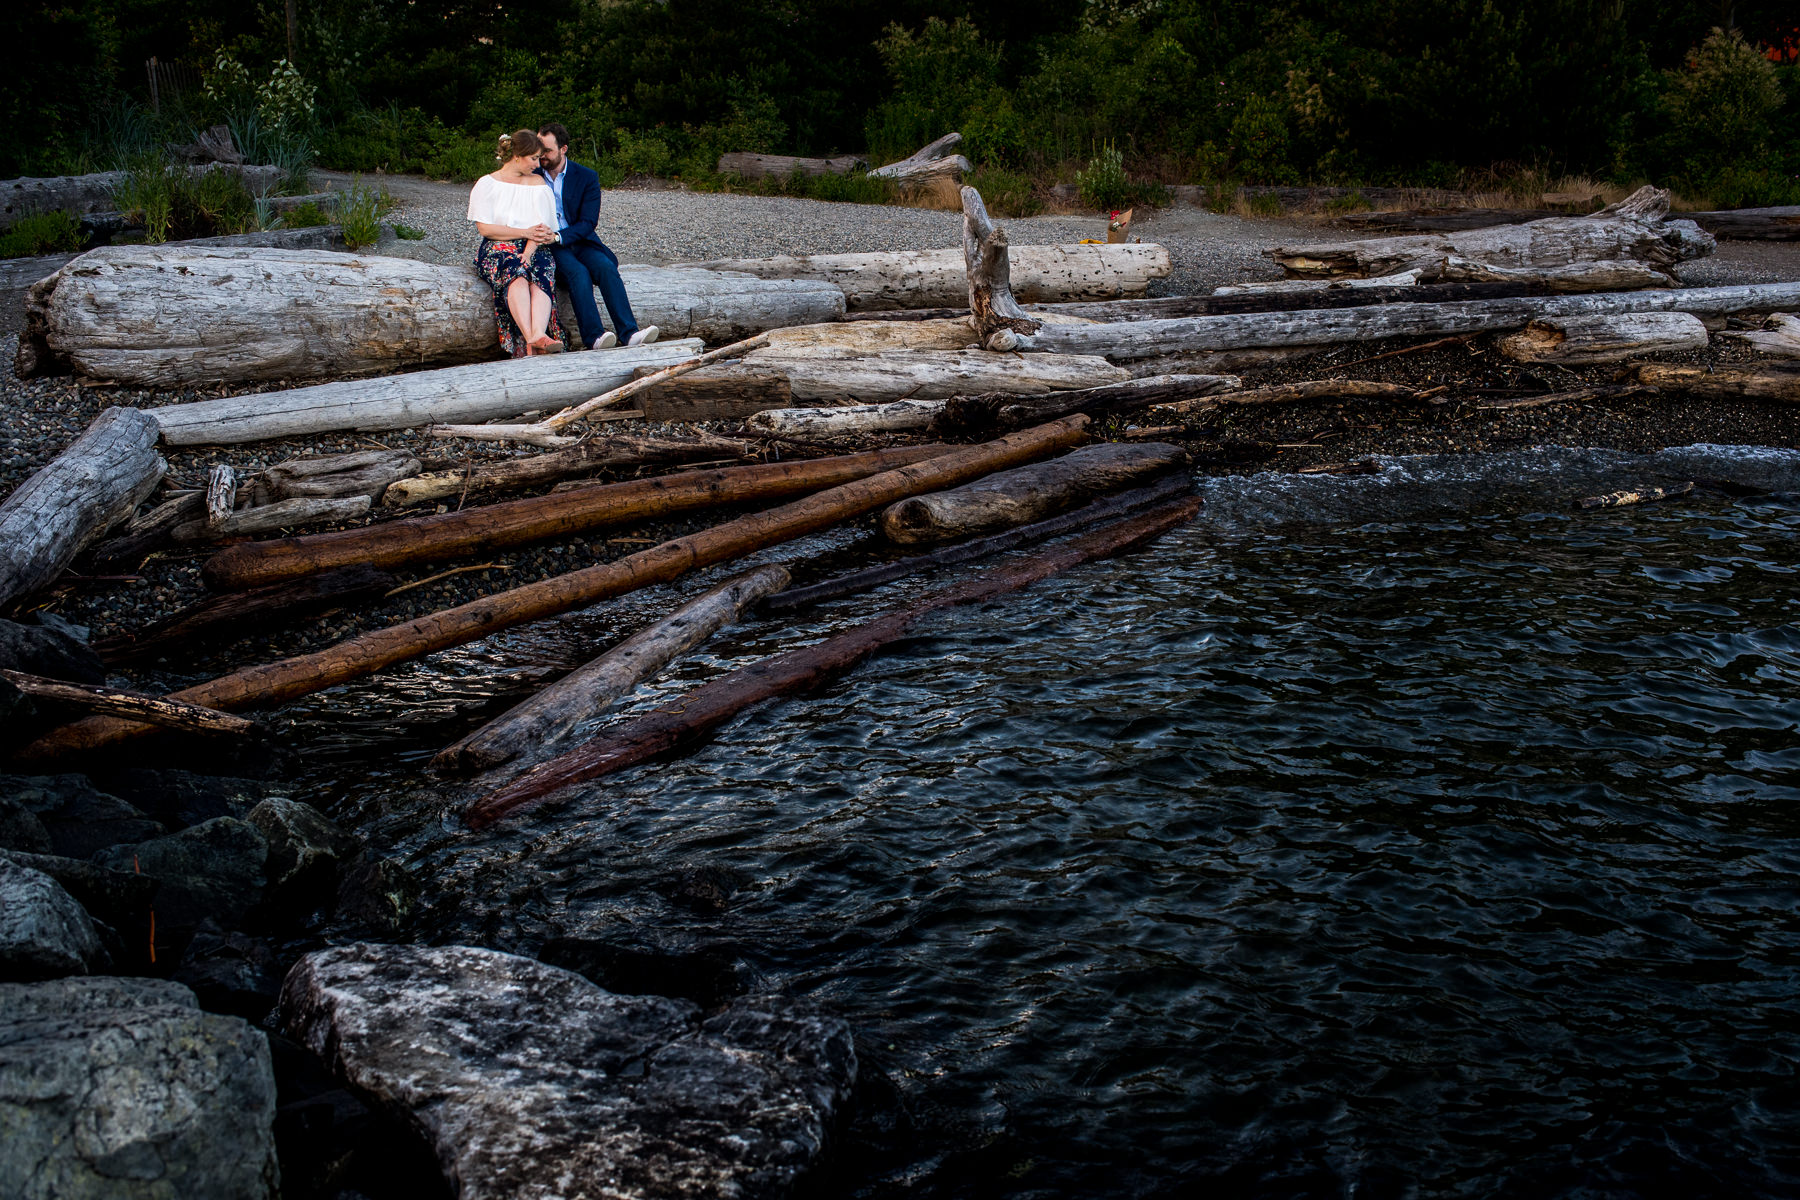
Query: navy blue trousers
[(582, 267)]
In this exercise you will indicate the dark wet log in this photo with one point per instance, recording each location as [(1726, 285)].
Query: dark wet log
[(1028, 493), (218, 620), (1751, 224), (1085, 517), (929, 162), (592, 455), (1771, 381), (537, 518), (160, 711), (75, 498), (705, 709), (964, 415), (332, 476), (987, 258), (146, 534), (751, 166), (300, 676), (1628, 498), (1613, 337), (532, 731)]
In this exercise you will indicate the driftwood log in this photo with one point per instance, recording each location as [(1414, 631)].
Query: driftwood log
[(831, 376), (87, 489), (934, 278), (751, 166), (592, 455), (332, 476), (1627, 499), (1028, 493), (1779, 336), (134, 706), (536, 518), (712, 305), (930, 162), (737, 392), (1607, 275), (1404, 279), (532, 731), (658, 732), (1771, 381), (146, 533), (276, 682), (81, 195), (1291, 393), (1128, 340), (1612, 337), (221, 494), (1751, 224), (1319, 294), (996, 317), (964, 415), (850, 420), (1439, 220), (1575, 396), (282, 514)]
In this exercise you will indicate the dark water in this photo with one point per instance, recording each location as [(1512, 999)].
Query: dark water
[(1451, 854)]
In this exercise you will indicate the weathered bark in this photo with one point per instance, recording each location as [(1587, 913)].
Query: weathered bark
[(1636, 228), (277, 682), (1751, 224), (874, 337), (532, 731), (219, 620), (283, 514), (75, 498), (1772, 381), (832, 376), (1334, 293), (1616, 392), (850, 420), (1613, 337), (988, 263), (965, 415), (658, 732), (717, 394), (478, 392), (934, 278), (1292, 393), (84, 194), (591, 455), (1435, 220), (1639, 496), (1780, 336), (162, 316), (147, 534), (332, 476), (1607, 276), (221, 494), (1028, 493), (929, 162), (537, 518), (751, 166), (133, 706), (1126, 340), (1086, 517), (1405, 279)]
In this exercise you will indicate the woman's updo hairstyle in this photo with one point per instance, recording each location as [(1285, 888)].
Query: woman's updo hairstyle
[(517, 144)]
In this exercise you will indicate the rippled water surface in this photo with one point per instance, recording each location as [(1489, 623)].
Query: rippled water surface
[(1451, 854)]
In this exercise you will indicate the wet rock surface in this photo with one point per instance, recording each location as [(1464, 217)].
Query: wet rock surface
[(531, 1081), (212, 871), (122, 1089), (79, 818), (43, 932), (306, 855), (51, 647)]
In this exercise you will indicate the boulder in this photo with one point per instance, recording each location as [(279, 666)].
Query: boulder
[(120, 903), (182, 798), (79, 818), (212, 871), (532, 1082), (230, 972), (307, 854), (122, 1089), (51, 647), (20, 828), (43, 932), (377, 896)]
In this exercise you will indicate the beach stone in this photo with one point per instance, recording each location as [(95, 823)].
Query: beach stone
[(532, 1082), (213, 870), (79, 818), (49, 646), (120, 904), (230, 972), (377, 896), (306, 854), (122, 1089), (182, 798), (43, 932), (20, 828)]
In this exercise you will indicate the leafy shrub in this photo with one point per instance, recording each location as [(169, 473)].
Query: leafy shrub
[(1263, 204), (643, 154), (173, 202), (1104, 184), (1722, 104), (1752, 187), (941, 74), (41, 233), (1350, 202), (463, 161)]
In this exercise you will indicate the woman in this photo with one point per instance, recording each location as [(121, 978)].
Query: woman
[(516, 215)]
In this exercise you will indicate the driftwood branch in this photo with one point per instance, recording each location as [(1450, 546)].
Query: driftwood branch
[(133, 706), (1612, 337), (591, 454)]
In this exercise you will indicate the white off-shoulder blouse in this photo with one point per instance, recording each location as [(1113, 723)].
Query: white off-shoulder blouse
[(515, 205)]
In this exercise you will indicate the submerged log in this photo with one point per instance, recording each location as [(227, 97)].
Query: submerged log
[(537, 518), (752, 166), (332, 476), (979, 414), (276, 682), (134, 706), (1026, 494), (74, 499), (532, 731), (1781, 224), (705, 709), (936, 278), (929, 162), (218, 620), (1613, 337), (1779, 336), (1772, 381), (592, 455), (1626, 499)]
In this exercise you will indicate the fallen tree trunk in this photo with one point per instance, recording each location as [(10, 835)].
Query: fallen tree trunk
[(531, 732), (658, 732), (1780, 224), (479, 392), (1086, 517), (1780, 336), (276, 682), (1127, 340), (835, 376), (732, 393), (1613, 337), (174, 315), (1404, 279), (1334, 293), (966, 415), (931, 161), (538, 518), (592, 455), (1026, 494), (133, 706), (987, 260), (332, 476), (218, 620), (851, 420), (932, 278), (84, 194), (1772, 381), (1293, 393), (147, 534), (1611, 275), (283, 514), (1438, 220), (751, 166), (75, 498)]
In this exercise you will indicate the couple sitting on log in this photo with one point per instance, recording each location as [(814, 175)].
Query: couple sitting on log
[(536, 215)]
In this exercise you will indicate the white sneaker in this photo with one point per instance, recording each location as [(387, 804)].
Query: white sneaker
[(606, 341), (644, 336)]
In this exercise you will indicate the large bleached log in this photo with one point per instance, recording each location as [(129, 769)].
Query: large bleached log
[(874, 337), (749, 165), (85, 194), (939, 278), (1612, 337), (708, 707), (850, 419), (590, 456), (964, 415), (276, 682), (75, 498), (1127, 340), (1771, 381), (714, 305), (1611, 275), (843, 377), (1780, 336), (536, 518), (1027, 493), (532, 731), (734, 392), (935, 160), (477, 392), (1404, 279), (988, 263), (1636, 228), (1780, 224)]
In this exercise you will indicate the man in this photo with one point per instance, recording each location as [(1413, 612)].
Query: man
[(582, 259)]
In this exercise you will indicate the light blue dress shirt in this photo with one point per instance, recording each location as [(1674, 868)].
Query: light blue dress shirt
[(556, 186)]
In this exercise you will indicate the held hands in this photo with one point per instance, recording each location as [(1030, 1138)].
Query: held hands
[(541, 234)]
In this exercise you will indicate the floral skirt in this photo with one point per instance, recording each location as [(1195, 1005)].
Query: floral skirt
[(500, 263)]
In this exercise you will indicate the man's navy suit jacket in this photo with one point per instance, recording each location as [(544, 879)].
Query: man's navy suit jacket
[(581, 203)]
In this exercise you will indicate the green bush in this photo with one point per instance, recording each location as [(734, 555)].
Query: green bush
[(1351, 202), (305, 216), (462, 161), (408, 233), (1104, 184), (41, 233), (1006, 193), (358, 210), (1264, 204), (643, 154)]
